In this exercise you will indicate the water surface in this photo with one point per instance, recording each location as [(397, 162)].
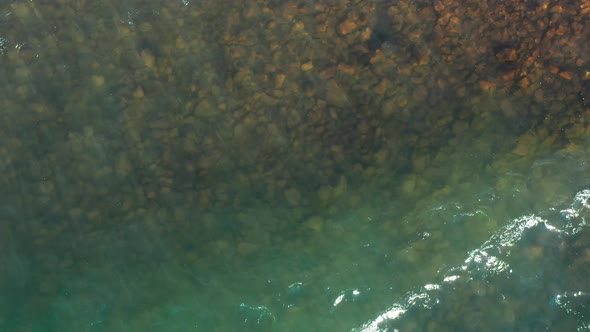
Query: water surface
[(310, 166)]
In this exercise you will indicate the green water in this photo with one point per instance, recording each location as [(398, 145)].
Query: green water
[(159, 175)]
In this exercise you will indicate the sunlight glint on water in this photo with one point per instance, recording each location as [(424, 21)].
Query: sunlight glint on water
[(490, 259)]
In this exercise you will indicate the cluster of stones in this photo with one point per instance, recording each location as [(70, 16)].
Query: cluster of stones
[(131, 115)]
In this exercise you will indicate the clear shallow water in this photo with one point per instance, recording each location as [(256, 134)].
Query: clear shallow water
[(469, 251), (146, 190)]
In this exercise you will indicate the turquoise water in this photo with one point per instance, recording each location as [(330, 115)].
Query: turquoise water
[(264, 166)]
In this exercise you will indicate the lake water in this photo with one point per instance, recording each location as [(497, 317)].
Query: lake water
[(294, 166)]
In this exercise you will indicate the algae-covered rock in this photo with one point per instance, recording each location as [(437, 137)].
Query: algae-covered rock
[(293, 196)]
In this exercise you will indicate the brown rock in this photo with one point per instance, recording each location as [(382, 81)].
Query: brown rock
[(566, 75), (347, 27), (507, 55)]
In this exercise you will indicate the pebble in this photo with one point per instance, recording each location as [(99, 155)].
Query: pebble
[(314, 223), (347, 27), (247, 249), (293, 196)]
